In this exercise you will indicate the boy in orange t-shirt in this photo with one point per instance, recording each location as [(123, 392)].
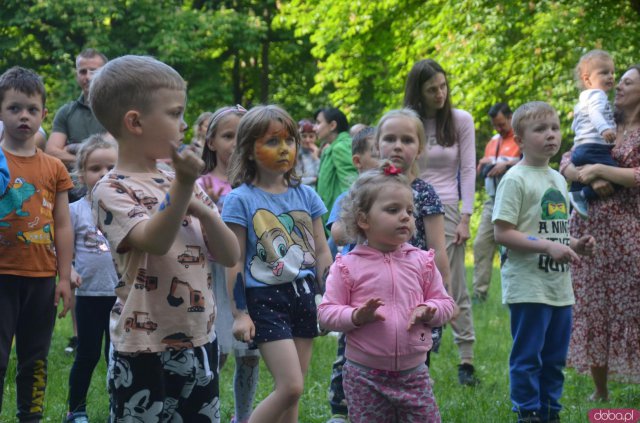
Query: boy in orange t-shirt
[(33, 209)]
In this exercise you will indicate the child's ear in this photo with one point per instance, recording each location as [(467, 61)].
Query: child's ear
[(518, 140), (362, 221), (132, 122), (356, 162), (44, 113)]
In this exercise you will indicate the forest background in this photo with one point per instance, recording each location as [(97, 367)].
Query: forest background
[(351, 54)]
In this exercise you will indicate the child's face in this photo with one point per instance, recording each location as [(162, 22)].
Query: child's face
[(399, 142), (370, 159), (275, 151), (97, 164), (224, 141), (163, 126), (390, 222), (541, 140), (601, 75), (308, 139), (22, 115)]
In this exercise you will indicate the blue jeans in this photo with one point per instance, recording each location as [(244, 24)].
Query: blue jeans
[(540, 343), (590, 153)]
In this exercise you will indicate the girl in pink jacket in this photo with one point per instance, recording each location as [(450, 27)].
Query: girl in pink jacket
[(386, 295)]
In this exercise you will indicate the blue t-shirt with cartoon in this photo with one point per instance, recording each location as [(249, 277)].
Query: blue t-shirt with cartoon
[(280, 246)]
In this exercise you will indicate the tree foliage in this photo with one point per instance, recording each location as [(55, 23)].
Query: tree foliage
[(493, 51), (354, 54)]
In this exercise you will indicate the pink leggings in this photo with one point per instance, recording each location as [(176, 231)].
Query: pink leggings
[(383, 396)]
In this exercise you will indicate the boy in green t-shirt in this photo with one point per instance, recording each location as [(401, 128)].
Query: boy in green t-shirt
[(530, 218)]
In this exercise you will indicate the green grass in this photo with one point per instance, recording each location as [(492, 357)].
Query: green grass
[(489, 402)]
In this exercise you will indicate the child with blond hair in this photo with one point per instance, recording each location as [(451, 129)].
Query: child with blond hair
[(164, 360)]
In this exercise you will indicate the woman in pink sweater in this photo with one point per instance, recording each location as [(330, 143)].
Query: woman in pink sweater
[(448, 164), (386, 295)]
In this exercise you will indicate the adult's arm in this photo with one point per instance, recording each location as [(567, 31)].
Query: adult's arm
[(467, 142), (55, 147), (602, 187), (625, 176)]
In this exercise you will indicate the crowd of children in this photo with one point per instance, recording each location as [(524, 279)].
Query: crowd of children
[(223, 250)]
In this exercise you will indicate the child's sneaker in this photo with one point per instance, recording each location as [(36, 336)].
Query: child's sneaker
[(338, 418), (579, 203), (72, 345), (528, 417), (79, 417)]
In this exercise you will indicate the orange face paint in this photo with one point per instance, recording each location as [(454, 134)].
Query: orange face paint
[(276, 149)]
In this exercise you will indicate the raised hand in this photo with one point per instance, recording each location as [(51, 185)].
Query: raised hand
[(422, 313), (368, 312), (187, 164)]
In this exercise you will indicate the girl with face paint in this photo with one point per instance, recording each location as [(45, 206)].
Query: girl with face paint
[(285, 256)]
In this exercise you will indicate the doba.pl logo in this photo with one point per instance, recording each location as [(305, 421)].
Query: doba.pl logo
[(614, 415)]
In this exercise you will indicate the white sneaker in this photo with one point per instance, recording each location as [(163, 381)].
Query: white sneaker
[(579, 203)]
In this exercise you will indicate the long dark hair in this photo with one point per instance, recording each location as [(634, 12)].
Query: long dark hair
[(253, 125), (618, 115), (420, 73)]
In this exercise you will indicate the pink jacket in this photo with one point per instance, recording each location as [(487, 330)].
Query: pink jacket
[(403, 279)]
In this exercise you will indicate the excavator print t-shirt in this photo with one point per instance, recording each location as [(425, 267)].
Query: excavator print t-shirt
[(163, 302)]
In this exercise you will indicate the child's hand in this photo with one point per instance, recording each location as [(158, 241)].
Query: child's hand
[(198, 209), (609, 135), (76, 279), (187, 165), (208, 189), (63, 291), (243, 328), (368, 312), (422, 313), (586, 245), (562, 253)]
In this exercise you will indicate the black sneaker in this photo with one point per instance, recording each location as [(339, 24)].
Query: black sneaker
[(72, 345), (466, 376), (528, 417), (579, 203)]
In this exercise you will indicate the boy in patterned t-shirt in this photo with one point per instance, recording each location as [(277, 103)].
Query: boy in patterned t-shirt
[(164, 358)]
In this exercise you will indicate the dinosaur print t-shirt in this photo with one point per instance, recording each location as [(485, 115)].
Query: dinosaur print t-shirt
[(26, 215), (280, 246), (163, 302)]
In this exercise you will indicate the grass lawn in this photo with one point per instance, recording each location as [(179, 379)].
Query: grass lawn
[(489, 402)]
